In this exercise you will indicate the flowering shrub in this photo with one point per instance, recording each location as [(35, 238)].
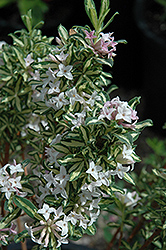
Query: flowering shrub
[(80, 139), (139, 216)]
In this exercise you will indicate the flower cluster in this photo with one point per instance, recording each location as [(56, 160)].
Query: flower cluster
[(119, 111), (10, 180)]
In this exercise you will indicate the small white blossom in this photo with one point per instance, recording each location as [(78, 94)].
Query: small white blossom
[(15, 182), (50, 179), (16, 168), (28, 60), (52, 155), (124, 112), (63, 224), (46, 211), (44, 192), (54, 87), (94, 170), (50, 77), (65, 71), (62, 57), (125, 156), (63, 177), (130, 199), (94, 97), (73, 217), (84, 196), (60, 100), (120, 170), (72, 94), (93, 217)]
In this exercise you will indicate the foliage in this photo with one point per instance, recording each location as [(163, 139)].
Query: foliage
[(141, 221), (80, 140)]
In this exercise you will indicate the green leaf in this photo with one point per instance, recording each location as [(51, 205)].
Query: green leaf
[(70, 159), (108, 62), (90, 9), (134, 102), (84, 133), (61, 148), (127, 177), (18, 105), (104, 8), (110, 21), (125, 138), (143, 124), (77, 172), (160, 174), (28, 188), (73, 143), (19, 56), (16, 41), (112, 88), (8, 91), (27, 206), (63, 33), (10, 217), (92, 121), (27, 20), (91, 230), (21, 236)]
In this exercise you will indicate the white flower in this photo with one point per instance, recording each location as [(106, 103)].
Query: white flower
[(46, 211), (94, 97), (8, 190), (63, 224), (119, 171), (130, 199), (92, 186), (39, 96), (73, 217), (124, 112), (28, 60), (65, 71), (45, 191), (84, 196), (62, 57), (57, 139), (54, 87), (3, 180), (15, 182), (59, 189), (51, 77), (63, 177), (103, 178), (52, 155), (2, 43), (94, 204), (16, 168), (93, 217), (50, 179), (72, 94), (93, 170), (125, 156), (79, 120), (60, 100), (83, 222)]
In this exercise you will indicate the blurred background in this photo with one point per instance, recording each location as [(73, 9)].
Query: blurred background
[(140, 65)]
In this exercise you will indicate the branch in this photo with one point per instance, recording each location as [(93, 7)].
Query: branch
[(150, 239), (136, 229), (112, 241)]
